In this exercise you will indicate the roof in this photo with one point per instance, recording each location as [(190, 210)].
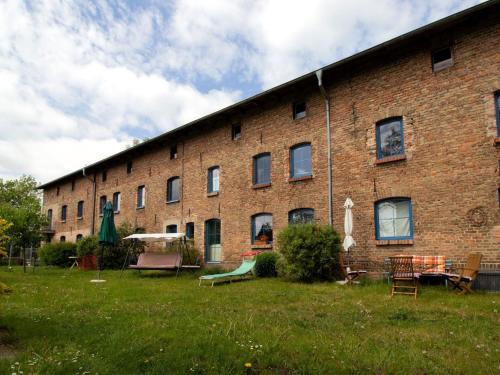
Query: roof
[(444, 23)]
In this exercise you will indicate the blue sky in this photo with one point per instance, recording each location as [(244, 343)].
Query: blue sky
[(81, 79)]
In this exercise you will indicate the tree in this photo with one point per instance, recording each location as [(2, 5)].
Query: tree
[(4, 227), (20, 204)]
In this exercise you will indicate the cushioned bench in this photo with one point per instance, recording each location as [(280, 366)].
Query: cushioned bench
[(158, 261)]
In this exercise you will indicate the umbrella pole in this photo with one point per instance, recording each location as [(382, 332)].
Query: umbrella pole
[(125, 262), (98, 280)]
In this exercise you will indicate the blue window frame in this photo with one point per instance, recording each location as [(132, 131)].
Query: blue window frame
[(190, 230), (300, 160), (213, 179), (497, 111), (49, 217), (102, 202), (301, 216), (79, 210), (173, 189), (393, 219), (262, 229), (64, 211), (390, 139), (141, 196), (172, 228), (262, 169), (213, 250), (116, 202)]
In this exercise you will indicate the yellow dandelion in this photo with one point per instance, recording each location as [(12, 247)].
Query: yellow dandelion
[(248, 365)]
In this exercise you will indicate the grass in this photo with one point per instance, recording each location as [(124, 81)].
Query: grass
[(60, 323)]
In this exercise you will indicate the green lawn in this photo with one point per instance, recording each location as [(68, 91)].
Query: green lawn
[(60, 323)]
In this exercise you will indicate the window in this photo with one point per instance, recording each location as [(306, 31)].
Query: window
[(300, 160), (62, 239), (190, 230), (212, 241), (393, 219), (102, 202), (141, 195), (104, 176), (213, 180), (390, 140), (64, 211), (173, 152), (299, 110), (79, 210), (49, 217), (262, 169), (129, 167), (79, 237), (262, 229), (57, 191), (73, 185), (301, 216), (173, 189), (116, 202), (497, 111), (442, 59), (171, 228), (236, 131)]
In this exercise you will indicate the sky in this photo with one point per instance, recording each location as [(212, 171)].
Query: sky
[(80, 80)]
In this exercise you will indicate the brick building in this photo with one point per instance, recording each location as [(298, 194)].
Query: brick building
[(408, 129)]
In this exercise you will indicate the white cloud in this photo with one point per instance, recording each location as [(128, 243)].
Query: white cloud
[(79, 79)]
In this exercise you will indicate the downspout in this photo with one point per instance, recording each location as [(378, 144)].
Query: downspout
[(319, 75), (92, 228)]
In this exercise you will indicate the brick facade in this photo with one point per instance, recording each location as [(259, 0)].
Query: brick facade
[(450, 168)]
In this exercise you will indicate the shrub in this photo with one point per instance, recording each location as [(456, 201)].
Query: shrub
[(309, 252), (114, 256), (87, 246), (265, 264), (57, 254)]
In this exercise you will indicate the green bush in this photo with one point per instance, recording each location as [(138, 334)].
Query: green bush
[(265, 264), (87, 246), (114, 256), (57, 254), (309, 252)]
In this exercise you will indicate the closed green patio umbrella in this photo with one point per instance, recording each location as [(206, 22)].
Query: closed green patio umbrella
[(107, 234)]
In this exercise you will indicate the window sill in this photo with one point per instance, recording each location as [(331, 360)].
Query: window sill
[(393, 242), (79, 218), (140, 208), (262, 247), (390, 159), (116, 212), (497, 141), (261, 186), (63, 221), (171, 202), (213, 262), (213, 194), (297, 179)]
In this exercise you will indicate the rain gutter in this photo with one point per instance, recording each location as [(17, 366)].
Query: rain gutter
[(319, 75)]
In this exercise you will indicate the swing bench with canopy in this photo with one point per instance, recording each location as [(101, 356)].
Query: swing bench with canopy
[(159, 260)]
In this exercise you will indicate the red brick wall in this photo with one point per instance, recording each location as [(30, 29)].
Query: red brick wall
[(451, 170)]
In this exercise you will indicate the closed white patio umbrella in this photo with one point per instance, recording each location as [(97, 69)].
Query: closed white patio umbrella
[(348, 240)]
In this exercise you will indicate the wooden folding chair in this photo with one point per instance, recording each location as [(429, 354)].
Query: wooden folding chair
[(349, 275), (464, 279), (404, 279)]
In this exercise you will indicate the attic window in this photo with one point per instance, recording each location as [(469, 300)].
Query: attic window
[(442, 59), (299, 110), (104, 176), (129, 167), (73, 185), (236, 132), (173, 152), (57, 190)]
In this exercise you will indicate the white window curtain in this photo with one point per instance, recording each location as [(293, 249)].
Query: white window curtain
[(394, 219)]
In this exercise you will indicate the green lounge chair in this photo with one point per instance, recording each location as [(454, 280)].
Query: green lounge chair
[(241, 273)]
